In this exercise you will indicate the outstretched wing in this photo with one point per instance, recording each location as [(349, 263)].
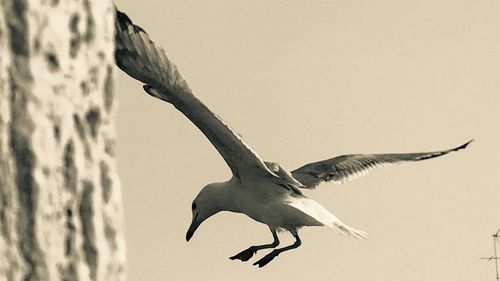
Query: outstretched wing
[(140, 58), (344, 168)]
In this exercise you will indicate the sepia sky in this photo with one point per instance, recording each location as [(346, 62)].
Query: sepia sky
[(308, 80)]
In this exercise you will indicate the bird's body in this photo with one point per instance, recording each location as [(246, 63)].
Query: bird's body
[(265, 202), (271, 204), (264, 191)]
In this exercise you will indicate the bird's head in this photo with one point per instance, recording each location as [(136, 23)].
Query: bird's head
[(205, 205)]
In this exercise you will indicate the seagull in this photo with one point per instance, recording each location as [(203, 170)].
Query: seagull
[(264, 191)]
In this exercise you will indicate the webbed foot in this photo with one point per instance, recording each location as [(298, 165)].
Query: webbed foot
[(244, 255), (267, 258)]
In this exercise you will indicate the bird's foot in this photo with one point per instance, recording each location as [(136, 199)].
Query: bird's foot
[(244, 255), (267, 258)]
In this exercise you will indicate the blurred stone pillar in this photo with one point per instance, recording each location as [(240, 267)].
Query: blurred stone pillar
[(60, 199)]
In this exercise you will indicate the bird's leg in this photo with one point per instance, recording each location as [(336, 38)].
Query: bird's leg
[(248, 253), (269, 257)]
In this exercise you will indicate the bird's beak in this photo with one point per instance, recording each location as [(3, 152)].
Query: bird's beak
[(192, 228)]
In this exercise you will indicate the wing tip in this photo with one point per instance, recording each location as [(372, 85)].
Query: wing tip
[(463, 146), (123, 21)]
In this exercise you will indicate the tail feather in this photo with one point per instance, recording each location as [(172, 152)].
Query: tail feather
[(324, 217), (345, 229)]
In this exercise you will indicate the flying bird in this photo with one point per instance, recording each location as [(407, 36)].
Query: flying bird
[(264, 191)]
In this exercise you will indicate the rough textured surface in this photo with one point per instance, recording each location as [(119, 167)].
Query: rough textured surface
[(60, 201)]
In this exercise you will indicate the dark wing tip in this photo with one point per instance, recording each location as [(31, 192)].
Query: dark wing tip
[(463, 146), (444, 152), (122, 19), (124, 22)]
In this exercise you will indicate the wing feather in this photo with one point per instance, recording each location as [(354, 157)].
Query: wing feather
[(345, 168), (139, 57)]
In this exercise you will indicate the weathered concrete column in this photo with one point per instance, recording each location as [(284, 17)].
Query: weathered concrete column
[(60, 200)]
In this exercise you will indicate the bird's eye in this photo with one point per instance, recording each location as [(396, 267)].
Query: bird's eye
[(193, 206)]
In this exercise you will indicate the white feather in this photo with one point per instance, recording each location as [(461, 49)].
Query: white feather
[(322, 215)]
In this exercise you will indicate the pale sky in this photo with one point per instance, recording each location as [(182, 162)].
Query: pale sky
[(308, 80)]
